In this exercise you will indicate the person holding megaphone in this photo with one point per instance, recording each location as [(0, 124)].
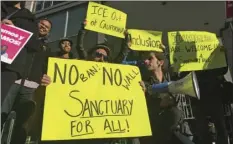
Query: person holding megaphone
[(163, 113)]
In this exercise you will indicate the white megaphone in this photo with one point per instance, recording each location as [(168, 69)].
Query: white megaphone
[(187, 85)]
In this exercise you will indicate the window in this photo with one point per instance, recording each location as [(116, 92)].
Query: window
[(48, 4), (40, 5), (76, 17), (66, 23), (57, 2), (59, 20)]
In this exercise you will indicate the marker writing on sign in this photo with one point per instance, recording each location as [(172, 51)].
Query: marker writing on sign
[(104, 12), (104, 24), (149, 42), (114, 77), (99, 108), (116, 126), (72, 74), (81, 127), (86, 110), (192, 37)]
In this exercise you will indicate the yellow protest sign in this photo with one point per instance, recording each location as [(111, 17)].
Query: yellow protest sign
[(104, 19), (195, 50), (93, 100), (143, 40)]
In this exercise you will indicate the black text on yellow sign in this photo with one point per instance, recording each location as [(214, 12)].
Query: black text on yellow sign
[(104, 19), (93, 100), (195, 50), (144, 40)]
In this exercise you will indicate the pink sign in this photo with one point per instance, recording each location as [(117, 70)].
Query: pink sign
[(13, 39), (229, 10)]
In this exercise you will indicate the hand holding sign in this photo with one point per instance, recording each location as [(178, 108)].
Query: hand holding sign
[(93, 100), (46, 80), (127, 35), (142, 84), (105, 20), (6, 21)]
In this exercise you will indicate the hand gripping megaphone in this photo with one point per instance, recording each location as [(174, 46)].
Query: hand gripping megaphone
[(187, 85)]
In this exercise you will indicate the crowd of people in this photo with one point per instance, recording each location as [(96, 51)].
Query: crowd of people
[(21, 79)]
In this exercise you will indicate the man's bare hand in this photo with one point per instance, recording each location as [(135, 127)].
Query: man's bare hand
[(6, 21), (126, 33), (85, 22), (142, 84), (46, 80)]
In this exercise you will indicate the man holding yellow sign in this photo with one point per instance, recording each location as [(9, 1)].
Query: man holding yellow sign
[(94, 100)]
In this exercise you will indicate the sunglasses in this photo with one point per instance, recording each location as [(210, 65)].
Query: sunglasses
[(99, 55)]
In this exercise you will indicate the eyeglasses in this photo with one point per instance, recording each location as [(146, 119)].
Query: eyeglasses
[(99, 55)]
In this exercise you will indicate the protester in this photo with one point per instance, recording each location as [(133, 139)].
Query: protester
[(13, 14), (163, 113), (21, 93), (44, 26), (100, 52), (65, 46), (27, 75)]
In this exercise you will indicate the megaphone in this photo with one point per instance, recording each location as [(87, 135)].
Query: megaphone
[(187, 85)]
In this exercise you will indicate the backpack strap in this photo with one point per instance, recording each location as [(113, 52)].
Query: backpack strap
[(10, 15), (4, 7)]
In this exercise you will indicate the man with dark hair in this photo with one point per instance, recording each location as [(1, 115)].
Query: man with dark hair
[(44, 26), (163, 113), (19, 97), (100, 53)]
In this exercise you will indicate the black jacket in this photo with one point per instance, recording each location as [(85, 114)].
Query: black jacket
[(163, 120), (24, 19), (38, 63)]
